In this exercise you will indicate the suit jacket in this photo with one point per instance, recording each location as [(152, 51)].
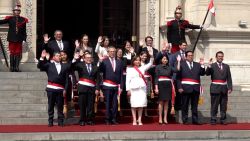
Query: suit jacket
[(109, 74), (13, 34), (81, 68), (173, 59), (155, 51), (194, 73), (52, 46), (53, 76), (217, 74), (176, 30)]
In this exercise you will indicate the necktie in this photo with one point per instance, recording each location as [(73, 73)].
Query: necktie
[(220, 66), (89, 70), (113, 65), (60, 44), (182, 56), (191, 65)]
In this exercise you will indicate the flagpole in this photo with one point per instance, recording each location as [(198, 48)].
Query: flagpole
[(200, 31)]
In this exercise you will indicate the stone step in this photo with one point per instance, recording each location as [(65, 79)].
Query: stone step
[(23, 107), (23, 121), (191, 135), (23, 82), (23, 94), (22, 87), (23, 75), (23, 100), (24, 114)]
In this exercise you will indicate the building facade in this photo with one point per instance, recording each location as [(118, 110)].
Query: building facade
[(229, 31)]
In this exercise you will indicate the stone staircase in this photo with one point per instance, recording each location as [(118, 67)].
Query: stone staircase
[(23, 98), (24, 101)]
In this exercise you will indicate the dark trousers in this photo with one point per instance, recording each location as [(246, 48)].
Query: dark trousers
[(186, 97), (178, 99), (55, 98), (86, 105), (216, 100), (111, 99)]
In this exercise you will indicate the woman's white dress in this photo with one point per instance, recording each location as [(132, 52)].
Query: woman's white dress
[(136, 85)]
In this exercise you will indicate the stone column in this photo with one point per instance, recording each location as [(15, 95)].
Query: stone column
[(5, 10)]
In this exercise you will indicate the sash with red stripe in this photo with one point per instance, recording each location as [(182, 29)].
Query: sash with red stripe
[(165, 78), (109, 83), (219, 82), (141, 75), (87, 82), (189, 81), (54, 85)]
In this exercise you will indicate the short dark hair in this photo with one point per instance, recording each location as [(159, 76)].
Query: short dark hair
[(55, 53), (188, 52), (148, 37), (182, 41), (219, 52), (163, 57), (134, 58)]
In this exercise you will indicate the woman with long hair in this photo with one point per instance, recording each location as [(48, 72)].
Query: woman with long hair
[(136, 87), (83, 45), (102, 47)]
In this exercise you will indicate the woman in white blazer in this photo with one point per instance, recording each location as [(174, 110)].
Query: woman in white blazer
[(136, 86)]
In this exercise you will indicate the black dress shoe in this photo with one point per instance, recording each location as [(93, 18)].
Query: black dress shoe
[(223, 123), (90, 123), (213, 122), (82, 123), (196, 123), (61, 124), (50, 124), (108, 122), (114, 122)]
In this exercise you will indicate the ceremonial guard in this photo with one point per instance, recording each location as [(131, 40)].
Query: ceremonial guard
[(220, 87), (176, 30), (16, 36)]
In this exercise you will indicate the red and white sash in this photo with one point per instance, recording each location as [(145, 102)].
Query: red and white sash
[(189, 81), (219, 82), (56, 86), (164, 78), (147, 75), (87, 82), (109, 83), (141, 75)]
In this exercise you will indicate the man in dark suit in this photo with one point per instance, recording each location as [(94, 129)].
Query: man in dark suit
[(165, 51), (57, 85), (88, 86), (220, 87), (112, 81), (188, 84), (173, 62), (149, 46), (16, 36), (176, 30), (57, 45)]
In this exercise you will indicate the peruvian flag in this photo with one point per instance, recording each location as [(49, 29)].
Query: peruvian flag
[(211, 7)]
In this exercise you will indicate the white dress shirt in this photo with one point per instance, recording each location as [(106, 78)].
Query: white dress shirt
[(58, 67), (60, 44)]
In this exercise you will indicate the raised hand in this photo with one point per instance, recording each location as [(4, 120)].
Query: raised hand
[(76, 55), (211, 61), (46, 38), (77, 44), (178, 58), (141, 43), (131, 50), (202, 60), (44, 53), (99, 39)]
